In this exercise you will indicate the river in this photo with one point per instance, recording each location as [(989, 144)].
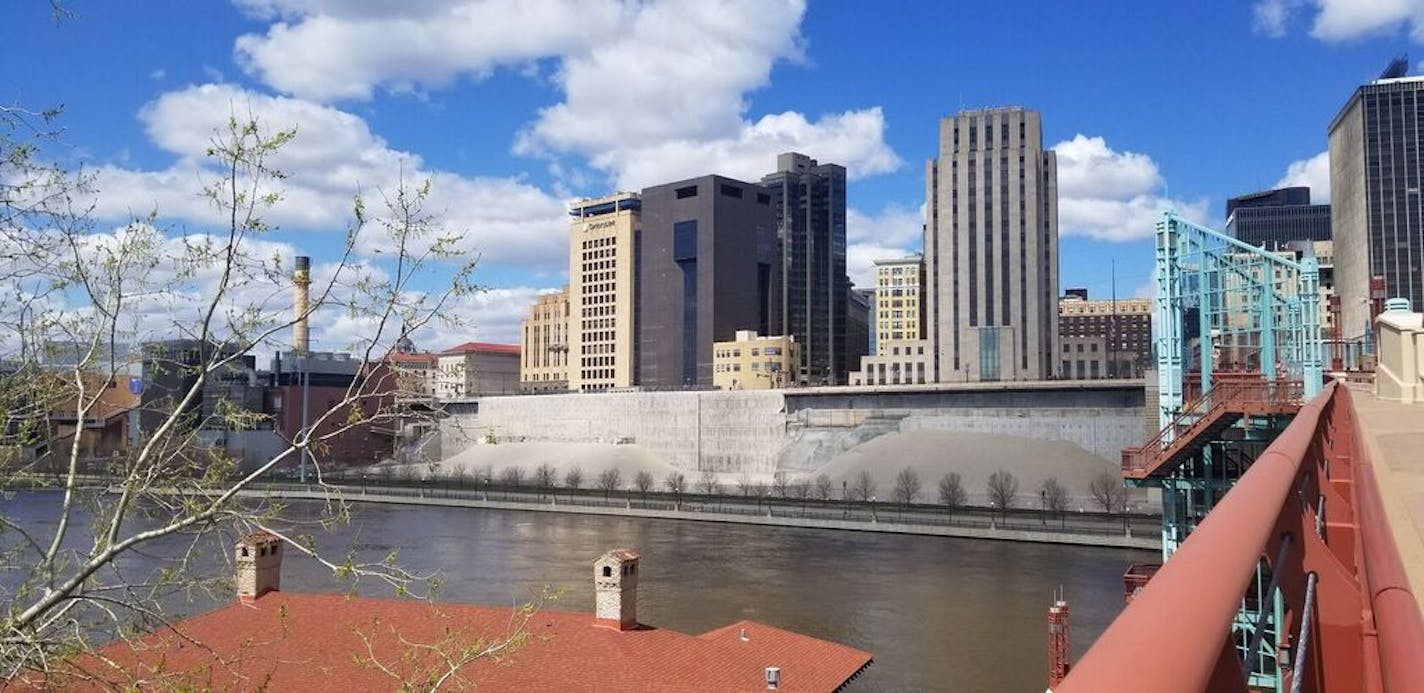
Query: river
[(939, 614)]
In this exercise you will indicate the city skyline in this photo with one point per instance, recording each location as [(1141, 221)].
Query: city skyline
[(512, 130)]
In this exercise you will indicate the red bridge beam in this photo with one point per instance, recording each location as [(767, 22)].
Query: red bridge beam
[(1367, 634)]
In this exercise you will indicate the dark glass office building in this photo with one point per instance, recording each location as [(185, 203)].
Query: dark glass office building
[(809, 200), (706, 268), (1273, 218), (1377, 209)]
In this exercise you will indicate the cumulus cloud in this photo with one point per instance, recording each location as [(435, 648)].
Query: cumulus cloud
[(854, 139), (333, 157), (682, 71), (652, 91), (1344, 20), (1269, 17), (1110, 195), (1313, 173), (328, 50), (895, 232)]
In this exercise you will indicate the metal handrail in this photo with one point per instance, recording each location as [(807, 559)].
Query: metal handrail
[(1196, 594), (1222, 398)]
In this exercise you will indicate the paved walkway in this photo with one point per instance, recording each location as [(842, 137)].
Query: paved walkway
[(1394, 436), (1128, 541)]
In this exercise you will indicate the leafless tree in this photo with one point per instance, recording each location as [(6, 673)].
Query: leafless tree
[(863, 488), (1108, 492), (643, 481), (1054, 495), (573, 479), (74, 303), (951, 491), (707, 484), (610, 480), (747, 486), (676, 483), (907, 486), (545, 476), (511, 476), (825, 488), (780, 484), (1003, 488)]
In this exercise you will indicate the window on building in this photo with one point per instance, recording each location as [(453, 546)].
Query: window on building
[(731, 191), (689, 191)]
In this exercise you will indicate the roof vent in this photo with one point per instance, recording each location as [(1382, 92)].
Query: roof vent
[(773, 678), (744, 637)]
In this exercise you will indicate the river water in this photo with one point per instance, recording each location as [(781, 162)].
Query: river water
[(939, 614)]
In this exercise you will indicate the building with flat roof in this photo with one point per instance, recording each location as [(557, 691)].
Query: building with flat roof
[(1272, 218), (475, 369), (603, 247), (291, 641), (755, 362), (991, 248), (1376, 204), (544, 345), (706, 269), (902, 354), (1104, 338), (809, 200)]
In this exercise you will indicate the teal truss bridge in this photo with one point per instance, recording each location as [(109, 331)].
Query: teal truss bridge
[(1238, 348)]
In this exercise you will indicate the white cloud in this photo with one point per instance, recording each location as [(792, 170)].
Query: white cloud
[(681, 72), (893, 233), (1313, 173), (854, 139), (1109, 195), (1344, 20), (328, 50), (333, 156), (1269, 17), (652, 91)]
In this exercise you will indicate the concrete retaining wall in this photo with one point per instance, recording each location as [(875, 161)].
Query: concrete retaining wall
[(716, 431), (752, 431)]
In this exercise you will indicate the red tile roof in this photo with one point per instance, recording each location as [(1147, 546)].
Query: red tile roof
[(309, 642), (481, 348)]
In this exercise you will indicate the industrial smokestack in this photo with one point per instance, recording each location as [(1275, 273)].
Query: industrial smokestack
[(301, 281)]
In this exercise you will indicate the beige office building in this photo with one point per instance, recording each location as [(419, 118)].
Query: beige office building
[(602, 243), (991, 248), (902, 354), (754, 362), (544, 345)]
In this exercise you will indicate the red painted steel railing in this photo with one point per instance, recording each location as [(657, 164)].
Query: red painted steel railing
[(1225, 399), (1309, 507)]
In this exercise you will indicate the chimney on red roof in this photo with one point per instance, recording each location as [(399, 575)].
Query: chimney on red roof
[(615, 583), (259, 565)]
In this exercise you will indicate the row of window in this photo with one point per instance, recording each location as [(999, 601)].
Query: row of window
[(759, 366), (755, 351)]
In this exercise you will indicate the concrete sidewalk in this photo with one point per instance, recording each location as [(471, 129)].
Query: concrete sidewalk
[(1393, 434)]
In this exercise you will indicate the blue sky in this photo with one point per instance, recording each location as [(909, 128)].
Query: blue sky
[(513, 108)]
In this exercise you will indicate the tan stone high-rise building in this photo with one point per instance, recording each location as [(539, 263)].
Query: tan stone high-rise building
[(902, 354), (991, 248), (603, 238), (544, 345)]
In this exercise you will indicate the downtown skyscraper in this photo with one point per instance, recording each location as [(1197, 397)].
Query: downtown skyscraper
[(809, 200), (991, 248), (1376, 203)]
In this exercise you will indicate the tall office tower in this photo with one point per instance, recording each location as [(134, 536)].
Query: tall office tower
[(1376, 204), (1273, 218), (991, 248), (857, 322), (603, 251), (810, 204), (544, 345), (705, 270)]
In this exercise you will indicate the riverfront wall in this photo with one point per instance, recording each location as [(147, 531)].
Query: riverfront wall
[(761, 432)]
